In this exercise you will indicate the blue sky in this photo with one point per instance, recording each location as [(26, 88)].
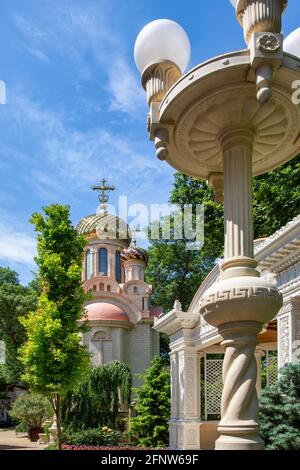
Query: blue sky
[(75, 110)]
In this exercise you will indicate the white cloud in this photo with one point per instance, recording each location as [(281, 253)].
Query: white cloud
[(40, 55), (79, 32), (127, 94), (68, 158), (29, 29), (15, 245)]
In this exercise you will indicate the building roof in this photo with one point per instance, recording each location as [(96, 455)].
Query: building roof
[(105, 311), (280, 250), (104, 226), (134, 252)]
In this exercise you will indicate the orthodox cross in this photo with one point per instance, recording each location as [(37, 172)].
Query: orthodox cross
[(103, 189)]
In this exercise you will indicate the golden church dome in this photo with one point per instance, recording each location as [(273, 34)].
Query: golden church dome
[(104, 226)]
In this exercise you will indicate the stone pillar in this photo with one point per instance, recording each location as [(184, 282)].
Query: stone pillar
[(174, 400), (101, 352), (111, 262), (94, 253), (289, 332), (241, 302), (239, 407), (237, 150), (295, 324), (188, 427)]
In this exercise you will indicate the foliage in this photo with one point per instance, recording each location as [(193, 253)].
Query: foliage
[(153, 406), (276, 198), (164, 346), (280, 411), (21, 427), (15, 301), (5, 375), (175, 272), (93, 437), (51, 447), (95, 401), (32, 410), (53, 357)]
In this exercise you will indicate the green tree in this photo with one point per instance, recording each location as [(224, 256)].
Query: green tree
[(96, 400), (15, 301), (175, 272), (153, 406), (53, 357), (276, 198), (280, 411)]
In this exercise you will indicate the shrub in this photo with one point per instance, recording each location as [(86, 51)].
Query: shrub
[(33, 410), (96, 400), (93, 437), (21, 427), (280, 411), (153, 406)]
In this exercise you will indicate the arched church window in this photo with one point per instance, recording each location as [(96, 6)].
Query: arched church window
[(88, 265), (108, 288), (103, 261), (118, 266), (101, 286), (135, 290)]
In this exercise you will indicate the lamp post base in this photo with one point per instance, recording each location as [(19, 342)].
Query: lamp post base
[(235, 440), (239, 307)]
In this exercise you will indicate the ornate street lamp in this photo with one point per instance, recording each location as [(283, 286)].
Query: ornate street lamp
[(228, 119)]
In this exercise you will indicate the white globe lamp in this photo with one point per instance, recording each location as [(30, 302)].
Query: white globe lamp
[(162, 52), (291, 44)]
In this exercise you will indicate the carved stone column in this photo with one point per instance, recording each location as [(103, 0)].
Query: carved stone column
[(237, 150), (174, 400), (185, 422), (239, 407), (289, 332), (296, 329), (188, 426)]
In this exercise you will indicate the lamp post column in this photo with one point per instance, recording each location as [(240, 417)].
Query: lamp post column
[(237, 162), (241, 302), (239, 398)]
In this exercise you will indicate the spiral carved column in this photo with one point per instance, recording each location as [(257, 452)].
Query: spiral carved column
[(239, 398)]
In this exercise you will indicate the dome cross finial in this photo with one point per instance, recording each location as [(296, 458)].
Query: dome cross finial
[(103, 188)]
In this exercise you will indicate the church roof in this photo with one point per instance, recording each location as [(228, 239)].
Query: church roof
[(105, 311), (134, 252), (104, 226)]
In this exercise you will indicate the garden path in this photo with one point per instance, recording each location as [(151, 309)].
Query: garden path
[(9, 440)]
